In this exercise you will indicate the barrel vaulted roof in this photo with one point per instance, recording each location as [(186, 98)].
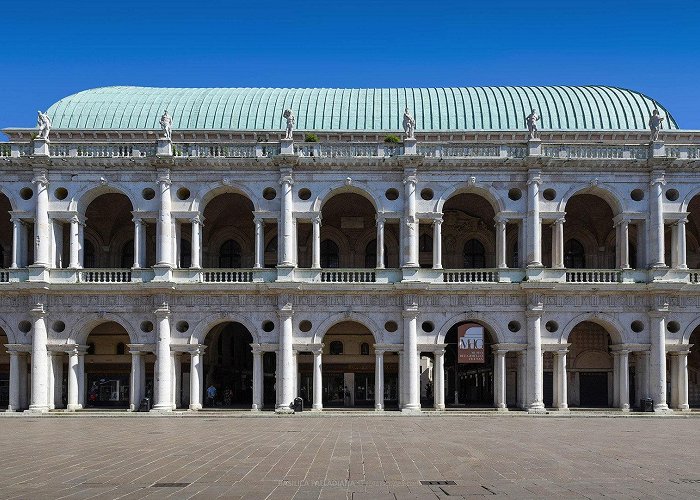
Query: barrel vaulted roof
[(327, 109)]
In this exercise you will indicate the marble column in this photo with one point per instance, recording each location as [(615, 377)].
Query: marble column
[(259, 242), (23, 382), (164, 225), (75, 243), (40, 361), (499, 379), (380, 241), (534, 359), (624, 244), (439, 389), (623, 380), (558, 243), (656, 225), (680, 382), (285, 355), (410, 220), (317, 403), (437, 243), (50, 381), (139, 238), (163, 375), (16, 242), (135, 394), (42, 242), (257, 377), (561, 382), (657, 361), (196, 243), (57, 360), (16, 359), (534, 226), (197, 377), (642, 374), (681, 249), (74, 402), (316, 244), (501, 242), (400, 380), (286, 226), (176, 374), (616, 379), (378, 379), (410, 360)]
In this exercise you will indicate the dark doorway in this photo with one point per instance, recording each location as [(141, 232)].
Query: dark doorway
[(593, 389)]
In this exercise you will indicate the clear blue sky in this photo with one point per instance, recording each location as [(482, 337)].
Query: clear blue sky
[(52, 49)]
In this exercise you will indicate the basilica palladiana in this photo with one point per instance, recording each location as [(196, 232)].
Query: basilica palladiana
[(182, 249)]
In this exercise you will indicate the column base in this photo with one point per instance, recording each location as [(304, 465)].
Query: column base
[(37, 409), (563, 409), (317, 408), (662, 408), (684, 408), (72, 407), (162, 409), (536, 408), (439, 407), (12, 410), (501, 408), (625, 410), (284, 410), (378, 408), (195, 407), (411, 409)]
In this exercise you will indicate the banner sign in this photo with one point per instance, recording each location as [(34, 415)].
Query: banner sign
[(470, 343)]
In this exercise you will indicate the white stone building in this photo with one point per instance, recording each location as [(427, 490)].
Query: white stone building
[(337, 265)]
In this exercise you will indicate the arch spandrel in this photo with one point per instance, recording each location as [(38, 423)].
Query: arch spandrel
[(352, 317), (206, 325), (487, 192), (490, 321), (604, 191), (358, 188), (81, 330), (83, 198), (610, 324)]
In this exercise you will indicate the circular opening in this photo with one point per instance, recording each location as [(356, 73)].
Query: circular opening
[(515, 194), (24, 326), (61, 193), (392, 194), (391, 326), (304, 194), (428, 326), (673, 326), (182, 326), (183, 193), (427, 194), (305, 326), (549, 194), (26, 193), (268, 326), (146, 326), (58, 326), (514, 326), (269, 193), (551, 326), (637, 195), (148, 194), (637, 326), (672, 194)]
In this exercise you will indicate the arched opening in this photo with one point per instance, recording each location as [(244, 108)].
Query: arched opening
[(229, 232), (108, 368), (694, 369), (692, 238), (109, 230), (589, 369), (468, 233), (4, 371), (330, 254), (468, 383), (228, 366), (590, 233), (5, 232)]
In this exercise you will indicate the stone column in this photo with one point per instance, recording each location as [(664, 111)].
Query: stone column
[(139, 237), (57, 359), (295, 373), (680, 382), (624, 245), (285, 355), (380, 241), (534, 359), (286, 225), (176, 370), (257, 377), (316, 244), (400, 380), (23, 382), (317, 403), (657, 361), (623, 380), (410, 221), (50, 381), (522, 379), (378, 379), (163, 380), (42, 243), (656, 218), (197, 377), (75, 243), (562, 381), (16, 242), (17, 358), (57, 243), (437, 243), (74, 402), (534, 227), (164, 226), (500, 242), (439, 389), (616, 379), (558, 243), (40, 369), (259, 242), (642, 375), (410, 360), (196, 243), (681, 249), (499, 379), (135, 389)]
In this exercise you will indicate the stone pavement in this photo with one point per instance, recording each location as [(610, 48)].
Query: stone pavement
[(349, 457)]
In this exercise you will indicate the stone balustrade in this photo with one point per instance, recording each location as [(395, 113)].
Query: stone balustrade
[(104, 276), (470, 276), (593, 276)]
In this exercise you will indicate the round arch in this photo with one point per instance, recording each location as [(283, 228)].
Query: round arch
[(10, 198), (351, 316), (332, 191), (82, 199), (486, 192), (611, 196), (609, 323), (205, 326), (689, 198), (211, 191), (685, 339), (82, 329), (12, 337), (487, 320)]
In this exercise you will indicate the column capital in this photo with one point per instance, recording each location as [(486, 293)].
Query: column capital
[(316, 350), (78, 349), (285, 312), (500, 219), (534, 310), (316, 218), (659, 312), (257, 349), (163, 311), (40, 179), (286, 177), (534, 179), (164, 180), (38, 311), (410, 312), (658, 180), (18, 349), (198, 219), (410, 179)]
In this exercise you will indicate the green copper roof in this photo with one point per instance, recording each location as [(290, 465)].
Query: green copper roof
[(435, 109)]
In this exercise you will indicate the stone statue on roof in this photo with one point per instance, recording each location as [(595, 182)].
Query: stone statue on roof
[(44, 123), (655, 125), (409, 124), (531, 122), (166, 124), (291, 121)]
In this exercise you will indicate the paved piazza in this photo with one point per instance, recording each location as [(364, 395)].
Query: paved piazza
[(372, 457)]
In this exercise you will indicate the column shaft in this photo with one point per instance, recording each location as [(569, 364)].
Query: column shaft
[(380, 242), (534, 226), (42, 243), (316, 248), (75, 243), (439, 380), (499, 378), (135, 390), (285, 354), (196, 379), (196, 246), (163, 401), (558, 244), (681, 248), (410, 221), (656, 226), (57, 359), (410, 360), (257, 378), (379, 380), (39, 396), (16, 243), (562, 381), (138, 238), (317, 403), (74, 402), (14, 400), (437, 244), (623, 383), (259, 243), (164, 226), (534, 360), (286, 229), (624, 244), (657, 361), (501, 243), (682, 380)]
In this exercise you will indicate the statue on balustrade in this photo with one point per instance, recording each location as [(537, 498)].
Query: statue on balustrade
[(655, 125), (531, 122), (409, 124), (291, 121), (166, 123), (44, 124)]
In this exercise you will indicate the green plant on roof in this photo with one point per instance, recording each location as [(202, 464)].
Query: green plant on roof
[(310, 138), (392, 139)]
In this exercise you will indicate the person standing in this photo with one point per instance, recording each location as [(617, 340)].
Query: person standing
[(211, 396)]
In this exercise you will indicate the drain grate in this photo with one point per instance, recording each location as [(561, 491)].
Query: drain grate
[(438, 483), (169, 485)]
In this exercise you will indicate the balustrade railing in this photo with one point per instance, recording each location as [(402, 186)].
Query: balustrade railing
[(227, 276), (348, 276), (216, 150), (694, 276), (470, 276), (593, 276), (4, 276), (104, 276), (683, 152)]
